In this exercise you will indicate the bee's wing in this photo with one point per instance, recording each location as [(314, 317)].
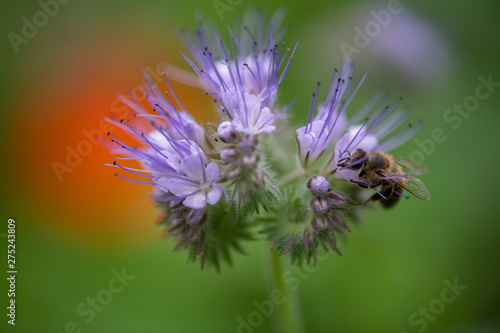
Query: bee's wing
[(410, 166), (415, 187)]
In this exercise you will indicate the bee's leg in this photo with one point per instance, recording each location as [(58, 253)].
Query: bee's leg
[(345, 158), (360, 184), (365, 185)]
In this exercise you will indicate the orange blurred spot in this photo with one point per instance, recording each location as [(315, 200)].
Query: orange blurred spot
[(62, 160)]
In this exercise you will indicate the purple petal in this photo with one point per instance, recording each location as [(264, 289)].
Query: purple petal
[(214, 195), (196, 200), (193, 168), (212, 172), (312, 141), (179, 186)]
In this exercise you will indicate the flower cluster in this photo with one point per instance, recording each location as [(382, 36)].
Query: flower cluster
[(218, 183)]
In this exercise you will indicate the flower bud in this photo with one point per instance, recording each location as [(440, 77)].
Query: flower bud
[(177, 206), (226, 133), (336, 200), (248, 143), (233, 172), (229, 154), (176, 221), (318, 185), (339, 223), (257, 178), (319, 223), (320, 205), (249, 161), (196, 217)]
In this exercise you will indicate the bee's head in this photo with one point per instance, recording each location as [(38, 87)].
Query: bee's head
[(354, 160)]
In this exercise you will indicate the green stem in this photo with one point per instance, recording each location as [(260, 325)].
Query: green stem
[(287, 315), (291, 177)]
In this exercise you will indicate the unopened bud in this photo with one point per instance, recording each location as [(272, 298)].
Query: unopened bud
[(233, 172), (319, 223), (256, 177), (318, 185), (176, 221), (336, 200), (226, 133), (229, 154), (320, 205), (339, 222), (248, 143), (196, 217), (177, 206), (249, 161)]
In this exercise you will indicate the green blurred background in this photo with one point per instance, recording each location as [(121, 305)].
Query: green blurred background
[(74, 231)]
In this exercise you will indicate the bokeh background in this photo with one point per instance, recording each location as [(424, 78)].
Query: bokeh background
[(73, 231)]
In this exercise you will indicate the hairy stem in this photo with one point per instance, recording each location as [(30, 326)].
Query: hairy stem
[(291, 177), (287, 312)]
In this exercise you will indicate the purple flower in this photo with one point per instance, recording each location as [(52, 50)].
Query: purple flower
[(330, 122), (251, 119), (422, 58), (197, 184), (170, 116), (245, 75), (173, 157)]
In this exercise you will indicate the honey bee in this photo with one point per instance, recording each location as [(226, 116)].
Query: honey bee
[(380, 170)]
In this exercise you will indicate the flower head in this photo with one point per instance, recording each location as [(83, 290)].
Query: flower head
[(244, 75), (327, 122), (251, 118), (172, 157), (197, 184), (301, 209)]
